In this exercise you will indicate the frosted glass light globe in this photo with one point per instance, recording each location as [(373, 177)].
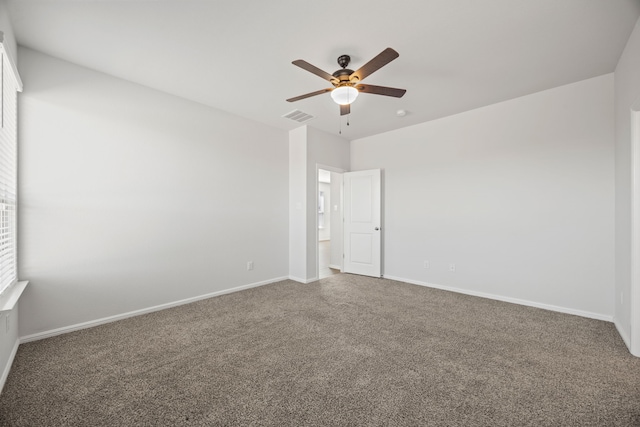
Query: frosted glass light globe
[(344, 95)]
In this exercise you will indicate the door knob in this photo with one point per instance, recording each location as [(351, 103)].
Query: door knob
[(377, 228)]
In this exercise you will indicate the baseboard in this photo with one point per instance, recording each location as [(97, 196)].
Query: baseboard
[(7, 368), (305, 281), (335, 267), (528, 303), (623, 333), (97, 322)]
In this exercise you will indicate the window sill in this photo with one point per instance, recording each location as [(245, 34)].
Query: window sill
[(10, 296)]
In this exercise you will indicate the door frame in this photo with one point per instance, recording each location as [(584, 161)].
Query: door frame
[(317, 233)]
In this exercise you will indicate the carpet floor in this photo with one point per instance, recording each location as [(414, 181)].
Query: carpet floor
[(343, 351)]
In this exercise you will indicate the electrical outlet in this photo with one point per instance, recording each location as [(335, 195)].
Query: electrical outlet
[(8, 323), (425, 264), (249, 265), (452, 267)]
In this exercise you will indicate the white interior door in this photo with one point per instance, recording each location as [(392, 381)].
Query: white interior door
[(362, 223)]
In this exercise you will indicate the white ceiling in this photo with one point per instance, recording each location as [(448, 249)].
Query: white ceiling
[(236, 55)]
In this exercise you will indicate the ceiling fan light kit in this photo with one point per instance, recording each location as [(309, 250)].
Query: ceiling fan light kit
[(346, 82), (344, 95)]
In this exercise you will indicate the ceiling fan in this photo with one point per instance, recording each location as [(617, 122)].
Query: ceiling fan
[(346, 83)]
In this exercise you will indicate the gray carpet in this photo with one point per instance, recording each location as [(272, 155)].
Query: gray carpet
[(344, 351)]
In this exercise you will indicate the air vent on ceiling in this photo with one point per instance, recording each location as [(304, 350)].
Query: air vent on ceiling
[(298, 116)]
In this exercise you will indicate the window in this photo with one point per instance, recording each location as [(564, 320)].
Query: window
[(10, 84)]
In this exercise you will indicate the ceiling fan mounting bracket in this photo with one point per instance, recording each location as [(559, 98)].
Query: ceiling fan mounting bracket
[(343, 60)]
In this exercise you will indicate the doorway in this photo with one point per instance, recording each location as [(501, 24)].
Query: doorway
[(329, 221)]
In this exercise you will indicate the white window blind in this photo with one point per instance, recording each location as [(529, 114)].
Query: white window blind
[(8, 170)]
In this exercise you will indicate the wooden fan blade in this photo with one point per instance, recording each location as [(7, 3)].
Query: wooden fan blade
[(381, 90), (309, 95), (313, 69), (345, 109), (375, 64)]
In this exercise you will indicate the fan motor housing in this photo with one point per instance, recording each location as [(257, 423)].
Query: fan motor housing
[(343, 75)]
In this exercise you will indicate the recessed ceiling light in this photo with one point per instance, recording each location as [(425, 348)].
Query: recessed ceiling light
[(401, 113)]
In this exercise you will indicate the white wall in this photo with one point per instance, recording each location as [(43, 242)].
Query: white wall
[(132, 198), (627, 95), (325, 232), (519, 195)]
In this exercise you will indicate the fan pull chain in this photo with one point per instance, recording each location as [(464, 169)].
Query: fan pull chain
[(340, 129)]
